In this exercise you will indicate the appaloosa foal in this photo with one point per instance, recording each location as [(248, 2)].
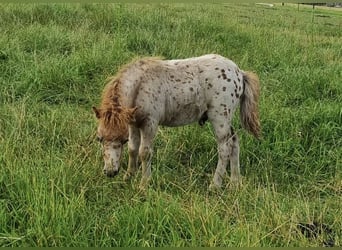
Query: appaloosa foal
[(150, 92)]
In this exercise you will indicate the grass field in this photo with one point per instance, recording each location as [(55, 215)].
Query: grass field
[(54, 60)]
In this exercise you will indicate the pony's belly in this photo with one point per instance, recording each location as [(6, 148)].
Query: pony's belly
[(184, 115)]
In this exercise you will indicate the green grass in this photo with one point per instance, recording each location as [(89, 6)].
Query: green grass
[(54, 60)]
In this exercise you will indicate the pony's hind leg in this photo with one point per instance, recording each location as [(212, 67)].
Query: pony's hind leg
[(220, 171), (133, 151), (234, 151), (228, 149), (222, 130)]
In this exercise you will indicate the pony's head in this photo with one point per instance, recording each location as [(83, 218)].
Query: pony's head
[(112, 133)]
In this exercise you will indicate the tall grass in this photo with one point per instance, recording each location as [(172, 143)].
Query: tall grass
[(54, 60)]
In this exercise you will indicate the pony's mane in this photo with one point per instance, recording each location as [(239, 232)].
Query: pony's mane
[(114, 114)]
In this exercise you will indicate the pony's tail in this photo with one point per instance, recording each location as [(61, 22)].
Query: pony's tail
[(249, 112)]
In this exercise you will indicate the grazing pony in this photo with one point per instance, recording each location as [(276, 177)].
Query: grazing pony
[(150, 92)]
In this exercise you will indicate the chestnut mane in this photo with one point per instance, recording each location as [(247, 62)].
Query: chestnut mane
[(113, 114)]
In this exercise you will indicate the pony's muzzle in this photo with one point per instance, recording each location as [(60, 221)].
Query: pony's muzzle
[(110, 173)]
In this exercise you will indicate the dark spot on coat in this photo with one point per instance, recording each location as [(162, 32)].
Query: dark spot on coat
[(216, 68), (191, 89), (224, 88), (224, 76)]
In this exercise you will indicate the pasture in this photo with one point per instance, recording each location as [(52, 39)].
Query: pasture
[(54, 62)]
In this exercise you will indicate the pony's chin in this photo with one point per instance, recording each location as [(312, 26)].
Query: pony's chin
[(111, 173)]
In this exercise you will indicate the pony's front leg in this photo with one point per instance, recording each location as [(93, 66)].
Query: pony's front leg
[(147, 132), (133, 151)]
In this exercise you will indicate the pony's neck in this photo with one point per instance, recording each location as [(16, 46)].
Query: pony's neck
[(124, 86), (127, 88)]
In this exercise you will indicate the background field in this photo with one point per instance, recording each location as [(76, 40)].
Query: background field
[(54, 60)]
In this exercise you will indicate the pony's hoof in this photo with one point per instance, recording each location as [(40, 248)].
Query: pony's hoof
[(237, 180), (127, 177), (144, 184), (142, 191), (236, 183), (140, 195), (214, 188)]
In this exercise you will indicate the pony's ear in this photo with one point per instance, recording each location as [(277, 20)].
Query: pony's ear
[(97, 112), (132, 112)]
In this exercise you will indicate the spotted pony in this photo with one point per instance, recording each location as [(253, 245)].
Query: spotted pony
[(149, 92)]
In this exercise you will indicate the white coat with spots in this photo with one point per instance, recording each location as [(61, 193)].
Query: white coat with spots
[(151, 92)]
